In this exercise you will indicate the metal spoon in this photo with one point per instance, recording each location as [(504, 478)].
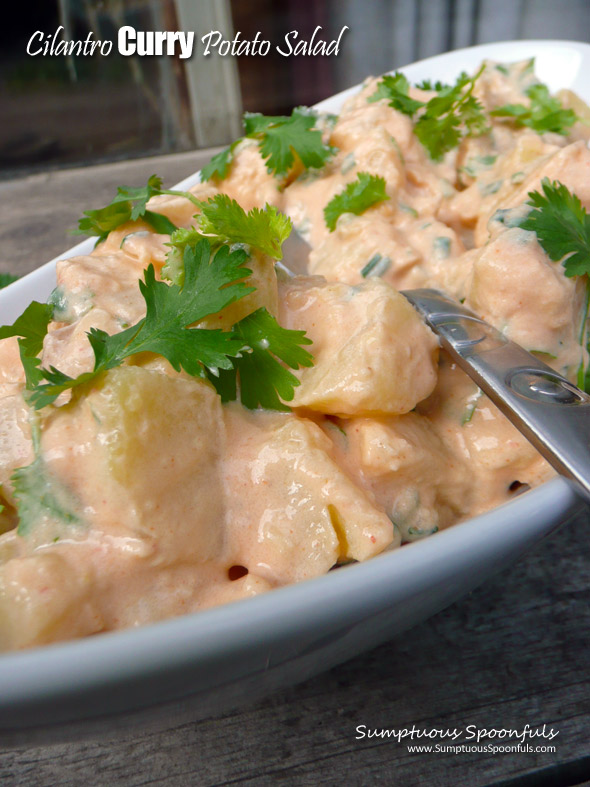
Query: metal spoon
[(552, 413)]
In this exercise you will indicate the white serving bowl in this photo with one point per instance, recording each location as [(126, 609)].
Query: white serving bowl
[(205, 663)]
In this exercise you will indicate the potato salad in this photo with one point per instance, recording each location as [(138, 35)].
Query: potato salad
[(187, 424)]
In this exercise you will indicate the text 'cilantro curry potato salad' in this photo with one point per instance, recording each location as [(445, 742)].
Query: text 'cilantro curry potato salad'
[(181, 426)]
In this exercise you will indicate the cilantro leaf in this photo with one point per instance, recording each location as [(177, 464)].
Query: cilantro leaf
[(443, 121), (454, 113), (171, 310), (265, 230), (359, 195), (31, 328), (40, 495), (254, 351), (6, 279), (396, 89), (281, 138), (544, 113), (562, 226), (224, 221), (427, 84), (263, 379), (130, 204), (173, 269), (219, 165)]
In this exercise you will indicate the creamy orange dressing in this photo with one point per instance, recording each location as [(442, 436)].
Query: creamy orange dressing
[(180, 502)]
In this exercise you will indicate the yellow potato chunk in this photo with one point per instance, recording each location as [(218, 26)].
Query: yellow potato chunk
[(410, 472), (292, 512), (501, 292), (471, 427), (372, 352), (106, 281), (370, 238), (16, 447), (43, 598), (569, 165), (140, 452), (248, 181)]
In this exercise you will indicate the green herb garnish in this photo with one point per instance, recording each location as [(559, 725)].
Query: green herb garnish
[(130, 204), (280, 139), (444, 120), (562, 227), (265, 230), (358, 195), (223, 220), (377, 266), (211, 282), (544, 113), (31, 328)]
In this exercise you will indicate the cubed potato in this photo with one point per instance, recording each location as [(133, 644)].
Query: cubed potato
[(504, 83), (497, 183), (411, 474), (372, 352), (359, 118), (494, 452), (503, 293), (140, 452), (103, 281), (67, 347), (11, 368), (138, 242), (372, 243), (248, 181), (306, 198), (43, 598), (16, 447), (570, 100), (377, 153), (570, 165), (292, 512)]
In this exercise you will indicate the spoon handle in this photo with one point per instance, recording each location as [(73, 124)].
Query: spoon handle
[(550, 411)]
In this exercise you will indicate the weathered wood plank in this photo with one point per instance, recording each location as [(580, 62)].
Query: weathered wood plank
[(515, 651), (38, 211)]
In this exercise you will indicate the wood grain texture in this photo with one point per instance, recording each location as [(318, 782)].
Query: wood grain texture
[(38, 211), (515, 651)]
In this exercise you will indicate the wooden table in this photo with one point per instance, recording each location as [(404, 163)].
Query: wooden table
[(515, 651)]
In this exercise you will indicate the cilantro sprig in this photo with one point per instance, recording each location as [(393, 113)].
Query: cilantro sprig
[(562, 227), (263, 380), (223, 220), (255, 353), (31, 328), (543, 114), (443, 121), (265, 230), (281, 139), (396, 89), (358, 195), (130, 204)]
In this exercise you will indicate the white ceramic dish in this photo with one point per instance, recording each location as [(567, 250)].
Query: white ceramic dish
[(202, 664)]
